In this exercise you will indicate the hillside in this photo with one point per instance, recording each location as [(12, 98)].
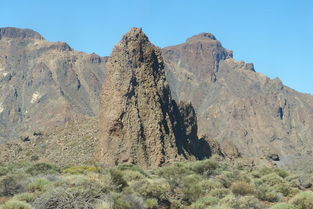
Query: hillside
[(47, 86), (236, 105), (44, 84)]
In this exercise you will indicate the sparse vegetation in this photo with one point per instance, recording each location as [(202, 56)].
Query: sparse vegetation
[(196, 185)]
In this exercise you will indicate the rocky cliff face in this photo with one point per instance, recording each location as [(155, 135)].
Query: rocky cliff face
[(245, 111), (44, 84), (139, 121)]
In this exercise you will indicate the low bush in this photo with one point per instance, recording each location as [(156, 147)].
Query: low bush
[(219, 193), (283, 206), (132, 167), (127, 201), (204, 167), (173, 171), (242, 188), (118, 179), (16, 204), (11, 185), (204, 202), (282, 173), (43, 169), (270, 180), (151, 189), (191, 187), (81, 169), (68, 198), (208, 185), (26, 197), (39, 184), (151, 203), (248, 202), (266, 194), (303, 200), (130, 175)]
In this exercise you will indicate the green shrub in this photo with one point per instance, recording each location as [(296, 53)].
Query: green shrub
[(39, 184), (76, 197), (174, 171), (282, 173), (27, 197), (203, 167), (227, 177), (265, 171), (130, 175), (176, 204), (117, 178), (242, 188), (248, 202), (208, 185), (16, 204), (11, 185), (285, 189), (132, 167), (229, 200), (4, 170), (104, 205), (121, 203), (150, 189), (264, 193), (283, 206), (81, 169), (151, 203), (204, 202), (303, 200), (218, 207), (241, 202), (43, 169), (191, 187), (219, 193), (128, 202), (270, 180)]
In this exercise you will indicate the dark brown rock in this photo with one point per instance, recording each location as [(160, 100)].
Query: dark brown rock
[(139, 121), (274, 157)]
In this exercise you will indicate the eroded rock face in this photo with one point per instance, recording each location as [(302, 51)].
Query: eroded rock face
[(249, 114), (44, 84), (139, 120)]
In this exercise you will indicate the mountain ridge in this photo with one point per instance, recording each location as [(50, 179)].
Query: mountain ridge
[(247, 113)]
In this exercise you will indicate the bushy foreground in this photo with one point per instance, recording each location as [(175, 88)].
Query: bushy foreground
[(210, 184)]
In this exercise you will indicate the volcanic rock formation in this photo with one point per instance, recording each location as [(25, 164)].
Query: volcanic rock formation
[(139, 121), (44, 84), (249, 114)]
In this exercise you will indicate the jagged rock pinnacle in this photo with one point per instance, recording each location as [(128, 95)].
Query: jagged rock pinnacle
[(139, 120)]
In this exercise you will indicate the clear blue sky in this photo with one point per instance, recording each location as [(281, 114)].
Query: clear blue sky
[(276, 35)]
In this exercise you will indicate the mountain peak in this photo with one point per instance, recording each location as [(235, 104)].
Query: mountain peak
[(202, 37), (137, 49), (140, 123), (11, 32), (135, 33)]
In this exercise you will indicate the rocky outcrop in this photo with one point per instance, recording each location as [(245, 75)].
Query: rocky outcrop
[(139, 121), (249, 114), (44, 84), (10, 32)]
